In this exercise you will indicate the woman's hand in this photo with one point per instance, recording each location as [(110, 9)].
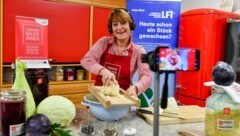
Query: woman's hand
[(132, 90), (107, 77)]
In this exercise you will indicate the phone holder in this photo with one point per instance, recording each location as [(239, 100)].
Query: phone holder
[(152, 58), (149, 58), (164, 99)]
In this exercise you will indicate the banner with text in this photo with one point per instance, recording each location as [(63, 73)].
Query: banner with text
[(31, 41), (157, 23)]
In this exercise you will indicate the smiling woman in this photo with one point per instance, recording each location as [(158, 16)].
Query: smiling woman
[(115, 59)]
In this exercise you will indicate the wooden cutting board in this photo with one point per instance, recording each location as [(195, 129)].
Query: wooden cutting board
[(190, 113), (108, 101)]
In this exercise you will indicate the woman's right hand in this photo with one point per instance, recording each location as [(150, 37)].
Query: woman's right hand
[(107, 77)]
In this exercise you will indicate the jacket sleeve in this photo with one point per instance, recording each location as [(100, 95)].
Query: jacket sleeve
[(92, 58)]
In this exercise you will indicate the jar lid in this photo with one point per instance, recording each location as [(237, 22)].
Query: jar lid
[(11, 93)]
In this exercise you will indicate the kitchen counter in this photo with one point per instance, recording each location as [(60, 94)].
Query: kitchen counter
[(143, 128)]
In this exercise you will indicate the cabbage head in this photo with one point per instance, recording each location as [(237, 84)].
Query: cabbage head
[(58, 109)]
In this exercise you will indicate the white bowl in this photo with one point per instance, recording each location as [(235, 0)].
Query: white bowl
[(102, 113)]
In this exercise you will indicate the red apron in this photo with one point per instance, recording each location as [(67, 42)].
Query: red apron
[(118, 65)]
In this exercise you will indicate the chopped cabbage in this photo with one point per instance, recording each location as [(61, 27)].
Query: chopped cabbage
[(112, 89), (58, 109)]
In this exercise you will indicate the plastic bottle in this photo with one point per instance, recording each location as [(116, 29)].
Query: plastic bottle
[(222, 113)]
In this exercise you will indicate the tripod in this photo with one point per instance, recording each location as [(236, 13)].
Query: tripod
[(164, 99)]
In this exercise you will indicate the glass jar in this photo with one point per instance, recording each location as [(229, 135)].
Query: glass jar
[(222, 114), (12, 112), (69, 74), (80, 74), (59, 74)]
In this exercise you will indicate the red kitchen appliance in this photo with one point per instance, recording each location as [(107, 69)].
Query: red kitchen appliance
[(204, 29)]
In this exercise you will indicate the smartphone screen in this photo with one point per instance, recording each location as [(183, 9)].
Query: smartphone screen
[(181, 59)]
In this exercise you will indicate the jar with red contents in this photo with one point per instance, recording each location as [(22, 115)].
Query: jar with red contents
[(69, 74), (12, 113)]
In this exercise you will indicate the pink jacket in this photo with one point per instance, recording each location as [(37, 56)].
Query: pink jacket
[(91, 61)]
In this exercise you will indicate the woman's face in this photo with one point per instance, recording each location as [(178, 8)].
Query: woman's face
[(121, 30)]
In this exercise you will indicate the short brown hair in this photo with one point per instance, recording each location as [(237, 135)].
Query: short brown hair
[(119, 14)]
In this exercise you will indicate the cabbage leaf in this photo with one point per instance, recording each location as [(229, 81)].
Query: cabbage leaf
[(21, 84)]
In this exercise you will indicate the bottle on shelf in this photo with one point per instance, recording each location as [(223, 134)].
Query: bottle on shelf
[(59, 74)]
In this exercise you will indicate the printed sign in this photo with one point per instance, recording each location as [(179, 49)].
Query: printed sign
[(32, 41), (156, 21)]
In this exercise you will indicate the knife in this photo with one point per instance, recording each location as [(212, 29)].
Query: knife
[(164, 114)]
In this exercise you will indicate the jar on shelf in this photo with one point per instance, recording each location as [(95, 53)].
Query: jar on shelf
[(80, 74), (12, 112), (59, 74), (223, 112), (69, 74)]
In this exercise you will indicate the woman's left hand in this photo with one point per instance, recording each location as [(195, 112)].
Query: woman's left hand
[(132, 90)]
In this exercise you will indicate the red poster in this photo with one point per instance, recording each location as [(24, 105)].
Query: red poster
[(32, 40)]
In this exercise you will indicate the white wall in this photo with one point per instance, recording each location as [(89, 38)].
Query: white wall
[(227, 5), (193, 4), (236, 6)]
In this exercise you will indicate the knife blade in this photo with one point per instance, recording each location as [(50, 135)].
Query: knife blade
[(145, 111)]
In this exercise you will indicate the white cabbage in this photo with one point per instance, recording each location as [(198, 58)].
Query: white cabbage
[(58, 109)]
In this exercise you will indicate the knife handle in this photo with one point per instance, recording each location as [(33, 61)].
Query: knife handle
[(164, 99)]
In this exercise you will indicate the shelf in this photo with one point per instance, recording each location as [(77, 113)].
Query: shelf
[(52, 65), (70, 82), (6, 85), (65, 65), (8, 65), (9, 84)]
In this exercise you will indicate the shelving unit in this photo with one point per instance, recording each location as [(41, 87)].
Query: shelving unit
[(74, 90), (8, 72)]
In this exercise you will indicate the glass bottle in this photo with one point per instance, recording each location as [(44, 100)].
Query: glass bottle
[(222, 114), (59, 74), (40, 88), (12, 113)]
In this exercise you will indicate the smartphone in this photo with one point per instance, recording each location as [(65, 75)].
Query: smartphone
[(177, 59)]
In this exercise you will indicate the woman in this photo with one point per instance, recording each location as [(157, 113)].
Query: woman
[(115, 59)]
